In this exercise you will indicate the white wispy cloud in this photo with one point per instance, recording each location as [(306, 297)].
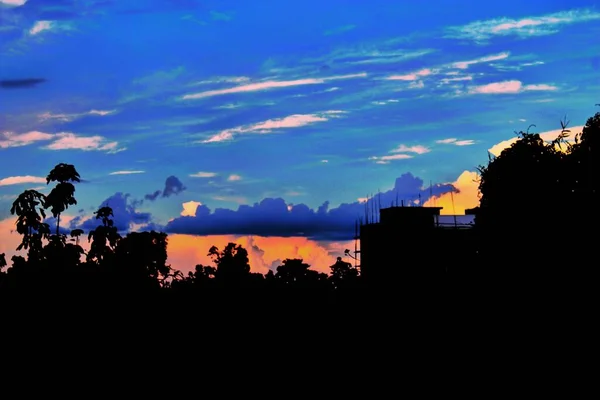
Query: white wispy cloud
[(229, 106), (268, 126), (202, 174), (412, 76), (509, 87), (456, 142), (387, 159), (41, 26), (384, 102), (418, 149), (400, 153), (70, 141), (456, 79), (518, 67), (485, 59), (16, 180), (234, 177), (10, 139), (482, 31), (224, 79), (385, 57), (70, 117), (14, 3), (267, 85), (416, 78), (126, 172)]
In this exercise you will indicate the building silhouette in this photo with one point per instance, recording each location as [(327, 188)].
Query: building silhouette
[(413, 241)]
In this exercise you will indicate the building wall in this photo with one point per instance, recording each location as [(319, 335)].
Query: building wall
[(388, 252)]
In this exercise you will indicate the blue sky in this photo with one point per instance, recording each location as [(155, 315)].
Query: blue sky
[(230, 102)]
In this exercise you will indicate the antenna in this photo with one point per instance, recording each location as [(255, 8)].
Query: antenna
[(355, 241), (453, 210), (431, 192), (379, 204), (396, 197), (373, 209)]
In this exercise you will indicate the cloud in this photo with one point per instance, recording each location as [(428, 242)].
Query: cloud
[(264, 253), (291, 121), (224, 79), (456, 79), (465, 196), (273, 217), (412, 76), (204, 175), (70, 117), (387, 159), (172, 186), (518, 67), (234, 177), (339, 30), (384, 102), (547, 136), (400, 153), (467, 64), (9, 139), (266, 85), (125, 215), (189, 208), (14, 3), (126, 172), (70, 141), (20, 83), (416, 78), (40, 26), (508, 87), (411, 149), (389, 57), (18, 180), (456, 142), (482, 31)]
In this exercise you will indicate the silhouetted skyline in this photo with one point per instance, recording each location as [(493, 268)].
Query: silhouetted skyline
[(269, 123)]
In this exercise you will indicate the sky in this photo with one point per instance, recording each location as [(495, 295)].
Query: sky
[(270, 123)]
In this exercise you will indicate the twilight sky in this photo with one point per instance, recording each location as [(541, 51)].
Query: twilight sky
[(266, 122)]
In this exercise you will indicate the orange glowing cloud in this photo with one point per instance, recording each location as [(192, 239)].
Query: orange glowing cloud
[(456, 203), (186, 251)]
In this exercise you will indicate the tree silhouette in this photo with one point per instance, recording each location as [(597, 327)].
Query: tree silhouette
[(104, 238), (62, 195), (30, 215), (143, 256), (232, 263), (296, 272), (342, 273)]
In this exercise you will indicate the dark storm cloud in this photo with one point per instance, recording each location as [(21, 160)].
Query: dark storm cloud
[(20, 83), (124, 214), (271, 217), (172, 186)]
